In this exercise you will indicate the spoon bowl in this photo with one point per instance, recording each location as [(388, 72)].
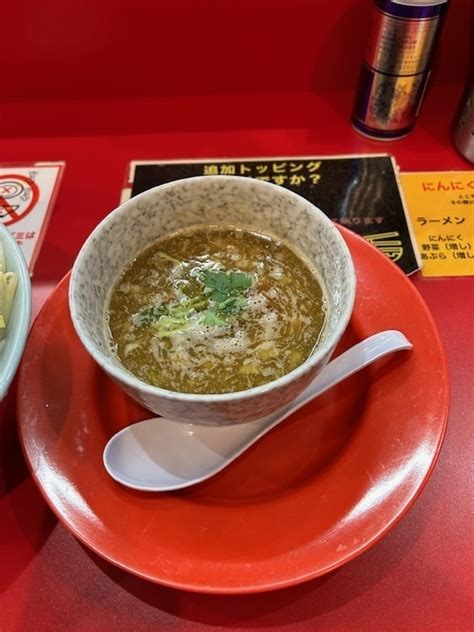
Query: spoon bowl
[(159, 454)]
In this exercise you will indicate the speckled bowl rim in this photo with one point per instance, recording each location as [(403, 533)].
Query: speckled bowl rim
[(124, 376)]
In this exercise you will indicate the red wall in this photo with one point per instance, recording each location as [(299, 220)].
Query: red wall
[(122, 48)]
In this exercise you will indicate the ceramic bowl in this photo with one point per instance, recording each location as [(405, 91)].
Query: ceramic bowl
[(243, 202), (11, 349)]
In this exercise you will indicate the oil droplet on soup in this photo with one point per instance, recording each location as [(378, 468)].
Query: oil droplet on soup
[(212, 309)]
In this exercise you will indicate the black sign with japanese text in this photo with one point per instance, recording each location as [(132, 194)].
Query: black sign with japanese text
[(359, 192)]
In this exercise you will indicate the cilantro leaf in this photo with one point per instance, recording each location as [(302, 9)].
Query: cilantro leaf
[(211, 318), (216, 281), (227, 289), (218, 296), (233, 304), (240, 303), (227, 284), (239, 281)]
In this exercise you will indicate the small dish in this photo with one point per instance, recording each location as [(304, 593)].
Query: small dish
[(11, 349)]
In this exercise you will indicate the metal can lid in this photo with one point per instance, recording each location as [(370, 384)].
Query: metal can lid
[(413, 9), (420, 3)]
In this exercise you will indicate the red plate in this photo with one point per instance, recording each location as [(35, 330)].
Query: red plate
[(313, 494)]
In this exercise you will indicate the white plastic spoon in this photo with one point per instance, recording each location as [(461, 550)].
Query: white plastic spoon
[(159, 455)]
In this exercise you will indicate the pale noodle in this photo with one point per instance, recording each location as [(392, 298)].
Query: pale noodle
[(8, 285), (2, 257)]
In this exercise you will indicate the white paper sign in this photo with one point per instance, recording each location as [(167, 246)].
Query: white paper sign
[(27, 194)]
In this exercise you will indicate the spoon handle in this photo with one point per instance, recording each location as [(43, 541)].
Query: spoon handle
[(354, 359), (351, 361)]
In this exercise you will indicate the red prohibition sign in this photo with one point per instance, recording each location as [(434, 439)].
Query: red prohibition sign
[(12, 215)]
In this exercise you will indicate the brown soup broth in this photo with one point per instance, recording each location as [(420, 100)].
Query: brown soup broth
[(212, 309)]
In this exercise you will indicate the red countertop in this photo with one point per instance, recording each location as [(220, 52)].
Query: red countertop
[(419, 577), (416, 578)]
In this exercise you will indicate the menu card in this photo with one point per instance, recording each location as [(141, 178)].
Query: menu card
[(361, 192), (27, 195), (441, 206)]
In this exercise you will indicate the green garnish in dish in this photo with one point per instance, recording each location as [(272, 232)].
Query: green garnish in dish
[(223, 296), (225, 285)]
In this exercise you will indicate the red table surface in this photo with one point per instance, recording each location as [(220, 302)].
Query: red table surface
[(419, 577)]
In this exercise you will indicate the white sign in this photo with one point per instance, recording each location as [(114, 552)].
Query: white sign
[(27, 195)]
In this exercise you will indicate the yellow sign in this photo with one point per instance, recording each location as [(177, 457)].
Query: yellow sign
[(441, 209)]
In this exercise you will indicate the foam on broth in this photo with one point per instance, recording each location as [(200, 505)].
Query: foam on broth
[(213, 309)]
